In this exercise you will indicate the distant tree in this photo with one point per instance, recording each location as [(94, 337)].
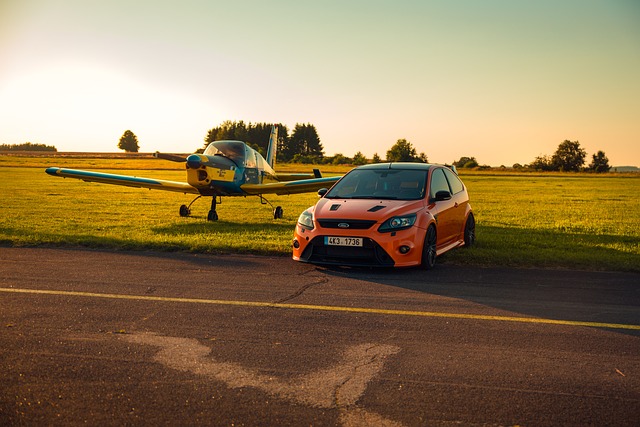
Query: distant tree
[(305, 159), (305, 141), (569, 157), (228, 130), (27, 146), (129, 142), (376, 158), (422, 158), (258, 136), (286, 151), (402, 151), (466, 162), (542, 163), (283, 140), (340, 159), (359, 159), (600, 163)]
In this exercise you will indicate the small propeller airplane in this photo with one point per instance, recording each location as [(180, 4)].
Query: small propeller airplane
[(226, 168)]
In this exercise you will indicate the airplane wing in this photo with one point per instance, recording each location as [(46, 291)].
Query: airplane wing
[(290, 187), (129, 181), (294, 176), (298, 176)]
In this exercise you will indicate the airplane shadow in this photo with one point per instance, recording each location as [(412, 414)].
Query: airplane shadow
[(222, 227)]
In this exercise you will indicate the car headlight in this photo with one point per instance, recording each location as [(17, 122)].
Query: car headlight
[(306, 219), (398, 223)]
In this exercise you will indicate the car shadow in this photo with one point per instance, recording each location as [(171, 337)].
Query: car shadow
[(550, 293), (564, 295)]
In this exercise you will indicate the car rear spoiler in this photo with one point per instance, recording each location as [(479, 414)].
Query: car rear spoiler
[(453, 168)]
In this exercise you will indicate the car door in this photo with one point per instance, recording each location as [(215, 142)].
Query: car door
[(460, 201), (444, 211)]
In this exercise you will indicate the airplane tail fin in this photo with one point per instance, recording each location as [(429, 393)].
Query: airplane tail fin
[(273, 145)]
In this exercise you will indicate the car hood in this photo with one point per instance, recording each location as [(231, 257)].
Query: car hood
[(365, 209)]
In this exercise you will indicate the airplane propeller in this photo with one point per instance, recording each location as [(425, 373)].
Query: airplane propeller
[(170, 157)]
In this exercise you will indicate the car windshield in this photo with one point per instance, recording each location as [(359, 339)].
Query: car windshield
[(380, 184)]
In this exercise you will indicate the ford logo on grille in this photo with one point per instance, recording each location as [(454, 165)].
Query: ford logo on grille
[(343, 225)]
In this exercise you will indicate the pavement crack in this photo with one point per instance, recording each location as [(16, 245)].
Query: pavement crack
[(302, 290)]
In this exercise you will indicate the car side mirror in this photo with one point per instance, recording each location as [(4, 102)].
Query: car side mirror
[(442, 195), (322, 192)]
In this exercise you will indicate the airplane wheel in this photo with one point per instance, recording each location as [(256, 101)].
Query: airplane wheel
[(278, 212), (213, 216), (184, 210)]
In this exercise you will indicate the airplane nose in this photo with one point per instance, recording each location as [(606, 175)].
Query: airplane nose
[(194, 161)]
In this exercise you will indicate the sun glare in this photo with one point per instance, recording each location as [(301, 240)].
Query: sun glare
[(101, 103)]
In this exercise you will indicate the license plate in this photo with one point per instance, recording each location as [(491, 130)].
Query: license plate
[(343, 241)]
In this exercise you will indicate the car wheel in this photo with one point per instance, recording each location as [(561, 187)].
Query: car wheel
[(470, 231), (429, 248)]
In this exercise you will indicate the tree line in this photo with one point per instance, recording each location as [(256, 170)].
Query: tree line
[(569, 157), (27, 146), (303, 145)]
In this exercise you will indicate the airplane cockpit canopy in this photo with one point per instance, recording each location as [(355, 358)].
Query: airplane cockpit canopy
[(238, 152), (234, 150)]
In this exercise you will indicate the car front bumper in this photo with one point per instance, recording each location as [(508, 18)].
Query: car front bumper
[(379, 250)]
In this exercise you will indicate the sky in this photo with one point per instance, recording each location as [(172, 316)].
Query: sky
[(503, 81)]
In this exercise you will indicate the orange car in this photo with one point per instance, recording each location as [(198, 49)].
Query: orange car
[(387, 214)]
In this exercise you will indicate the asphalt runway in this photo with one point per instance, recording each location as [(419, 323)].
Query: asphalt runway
[(117, 338)]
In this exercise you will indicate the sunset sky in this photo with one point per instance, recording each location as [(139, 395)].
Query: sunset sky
[(500, 80)]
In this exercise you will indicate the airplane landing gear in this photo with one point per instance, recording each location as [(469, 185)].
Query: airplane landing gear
[(277, 212), (186, 210), (213, 215)]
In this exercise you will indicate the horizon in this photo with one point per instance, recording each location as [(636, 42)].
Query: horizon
[(383, 158)]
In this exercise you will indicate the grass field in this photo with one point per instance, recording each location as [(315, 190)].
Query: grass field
[(528, 220)]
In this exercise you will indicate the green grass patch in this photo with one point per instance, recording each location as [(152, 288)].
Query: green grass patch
[(551, 221)]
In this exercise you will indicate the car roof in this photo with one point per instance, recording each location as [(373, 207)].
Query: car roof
[(406, 166), (397, 166)]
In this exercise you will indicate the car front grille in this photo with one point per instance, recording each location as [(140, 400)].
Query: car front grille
[(370, 254), (351, 224)]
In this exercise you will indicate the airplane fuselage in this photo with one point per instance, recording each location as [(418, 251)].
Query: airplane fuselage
[(225, 166)]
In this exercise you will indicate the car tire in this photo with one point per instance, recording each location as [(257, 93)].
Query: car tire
[(429, 248), (470, 231)]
